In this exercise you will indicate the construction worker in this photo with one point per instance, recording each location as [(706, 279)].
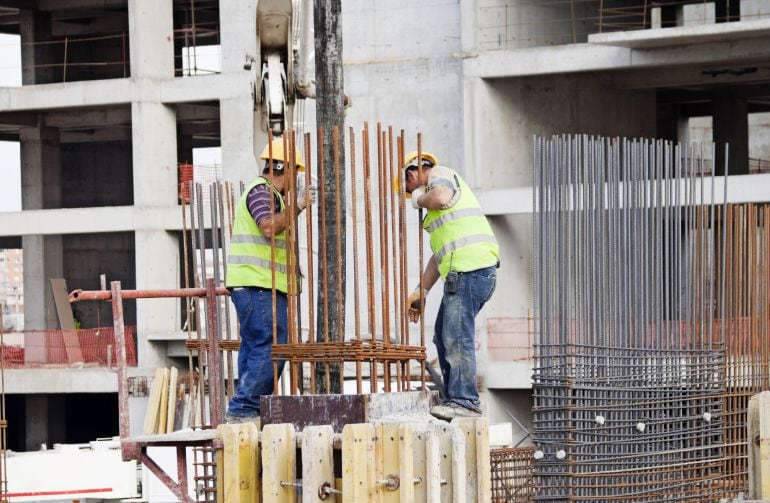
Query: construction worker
[(465, 255), (250, 278)]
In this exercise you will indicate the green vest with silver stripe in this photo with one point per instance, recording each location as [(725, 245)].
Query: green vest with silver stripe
[(249, 262), (461, 237)]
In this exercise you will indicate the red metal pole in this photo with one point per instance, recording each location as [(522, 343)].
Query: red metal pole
[(120, 354), (212, 327), (82, 295)]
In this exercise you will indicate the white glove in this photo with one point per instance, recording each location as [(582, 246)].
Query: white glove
[(416, 193), (306, 197)]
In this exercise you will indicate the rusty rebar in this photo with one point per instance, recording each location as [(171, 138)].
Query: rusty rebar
[(356, 302), (310, 283), (324, 275)]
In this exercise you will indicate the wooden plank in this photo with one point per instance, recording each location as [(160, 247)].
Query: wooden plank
[(172, 396), (317, 461), (405, 463), (66, 320), (445, 442), (229, 476), (758, 431), (387, 456), (163, 404), (358, 468), (279, 464), (153, 404), (433, 467), (256, 458), (420, 464), (477, 467), (247, 478)]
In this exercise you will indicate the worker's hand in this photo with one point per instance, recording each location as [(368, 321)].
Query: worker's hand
[(414, 308), (416, 193), (306, 197)]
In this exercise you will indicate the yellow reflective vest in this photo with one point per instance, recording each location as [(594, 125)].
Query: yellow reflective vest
[(249, 261), (460, 237)]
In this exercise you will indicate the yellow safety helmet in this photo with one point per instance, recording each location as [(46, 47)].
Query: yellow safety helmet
[(278, 153), (410, 161)]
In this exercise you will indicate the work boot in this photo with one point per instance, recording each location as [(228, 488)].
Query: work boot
[(451, 410), (232, 419)]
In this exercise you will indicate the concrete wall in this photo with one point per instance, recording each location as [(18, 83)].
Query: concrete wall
[(86, 256), (96, 174)]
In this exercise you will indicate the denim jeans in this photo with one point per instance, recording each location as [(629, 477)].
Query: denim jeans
[(255, 362), (456, 332)]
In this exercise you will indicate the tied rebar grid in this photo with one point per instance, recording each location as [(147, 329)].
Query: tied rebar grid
[(629, 371)]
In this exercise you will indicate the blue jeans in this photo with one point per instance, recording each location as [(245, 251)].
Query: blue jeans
[(255, 362), (464, 296)]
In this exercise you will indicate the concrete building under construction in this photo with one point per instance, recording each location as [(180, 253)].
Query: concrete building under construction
[(114, 107)]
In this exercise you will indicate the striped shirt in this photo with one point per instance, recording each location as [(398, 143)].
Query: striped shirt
[(258, 203)]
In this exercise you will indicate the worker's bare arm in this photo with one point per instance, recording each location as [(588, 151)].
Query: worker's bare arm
[(430, 275), (274, 225), (436, 198)]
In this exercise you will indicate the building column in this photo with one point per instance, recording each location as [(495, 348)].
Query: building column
[(35, 27), (154, 151), (730, 115), (36, 412), (242, 138), (41, 189)]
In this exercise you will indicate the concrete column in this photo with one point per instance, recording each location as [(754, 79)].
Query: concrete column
[(242, 140), (41, 189), (151, 38), (36, 412), (731, 125), (157, 267), (238, 33), (35, 27), (468, 25)]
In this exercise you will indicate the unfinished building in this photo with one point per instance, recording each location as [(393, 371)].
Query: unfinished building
[(113, 103)]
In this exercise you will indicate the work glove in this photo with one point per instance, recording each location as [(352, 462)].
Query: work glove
[(413, 306), (306, 197), (416, 193)]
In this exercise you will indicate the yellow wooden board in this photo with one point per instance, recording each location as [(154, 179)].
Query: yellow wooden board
[(758, 434), (163, 405), (446, 480), (256, 458), (172, 396), (477, 467), (405, 463), (386, 448), (153, 403), (317, 461), (279, 447), (420, 465), (358, 463)]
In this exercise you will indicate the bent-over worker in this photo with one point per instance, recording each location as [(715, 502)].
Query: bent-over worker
[(466, 256)]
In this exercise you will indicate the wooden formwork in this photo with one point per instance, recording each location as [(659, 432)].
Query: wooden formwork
[(411, 461)]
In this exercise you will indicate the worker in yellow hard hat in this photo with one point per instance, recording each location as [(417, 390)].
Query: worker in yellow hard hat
[(465, 256), (254, 270)]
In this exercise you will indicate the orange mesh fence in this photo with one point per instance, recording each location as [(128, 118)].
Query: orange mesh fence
[(509, 339), (37, 348)]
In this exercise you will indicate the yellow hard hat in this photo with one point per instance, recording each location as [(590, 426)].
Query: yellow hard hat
[(278, 153), (410, 161)]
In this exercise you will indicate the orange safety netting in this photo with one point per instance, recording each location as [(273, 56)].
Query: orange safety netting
[(36, 348)]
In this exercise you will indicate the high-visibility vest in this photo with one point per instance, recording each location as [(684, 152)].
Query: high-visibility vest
[(249, 261), (460, 237)]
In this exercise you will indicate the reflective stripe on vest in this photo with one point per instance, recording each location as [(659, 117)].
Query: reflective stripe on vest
[(250, 257), (460, 237)]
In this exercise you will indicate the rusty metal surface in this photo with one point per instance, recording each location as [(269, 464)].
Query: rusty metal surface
[(314, 410)]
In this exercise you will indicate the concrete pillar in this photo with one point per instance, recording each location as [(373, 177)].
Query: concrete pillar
[(154, 151), (41, 189), (731, 125), (36, 411), (151, 38), (240, 146), (35, 27), (242, 140), (238, 33)]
